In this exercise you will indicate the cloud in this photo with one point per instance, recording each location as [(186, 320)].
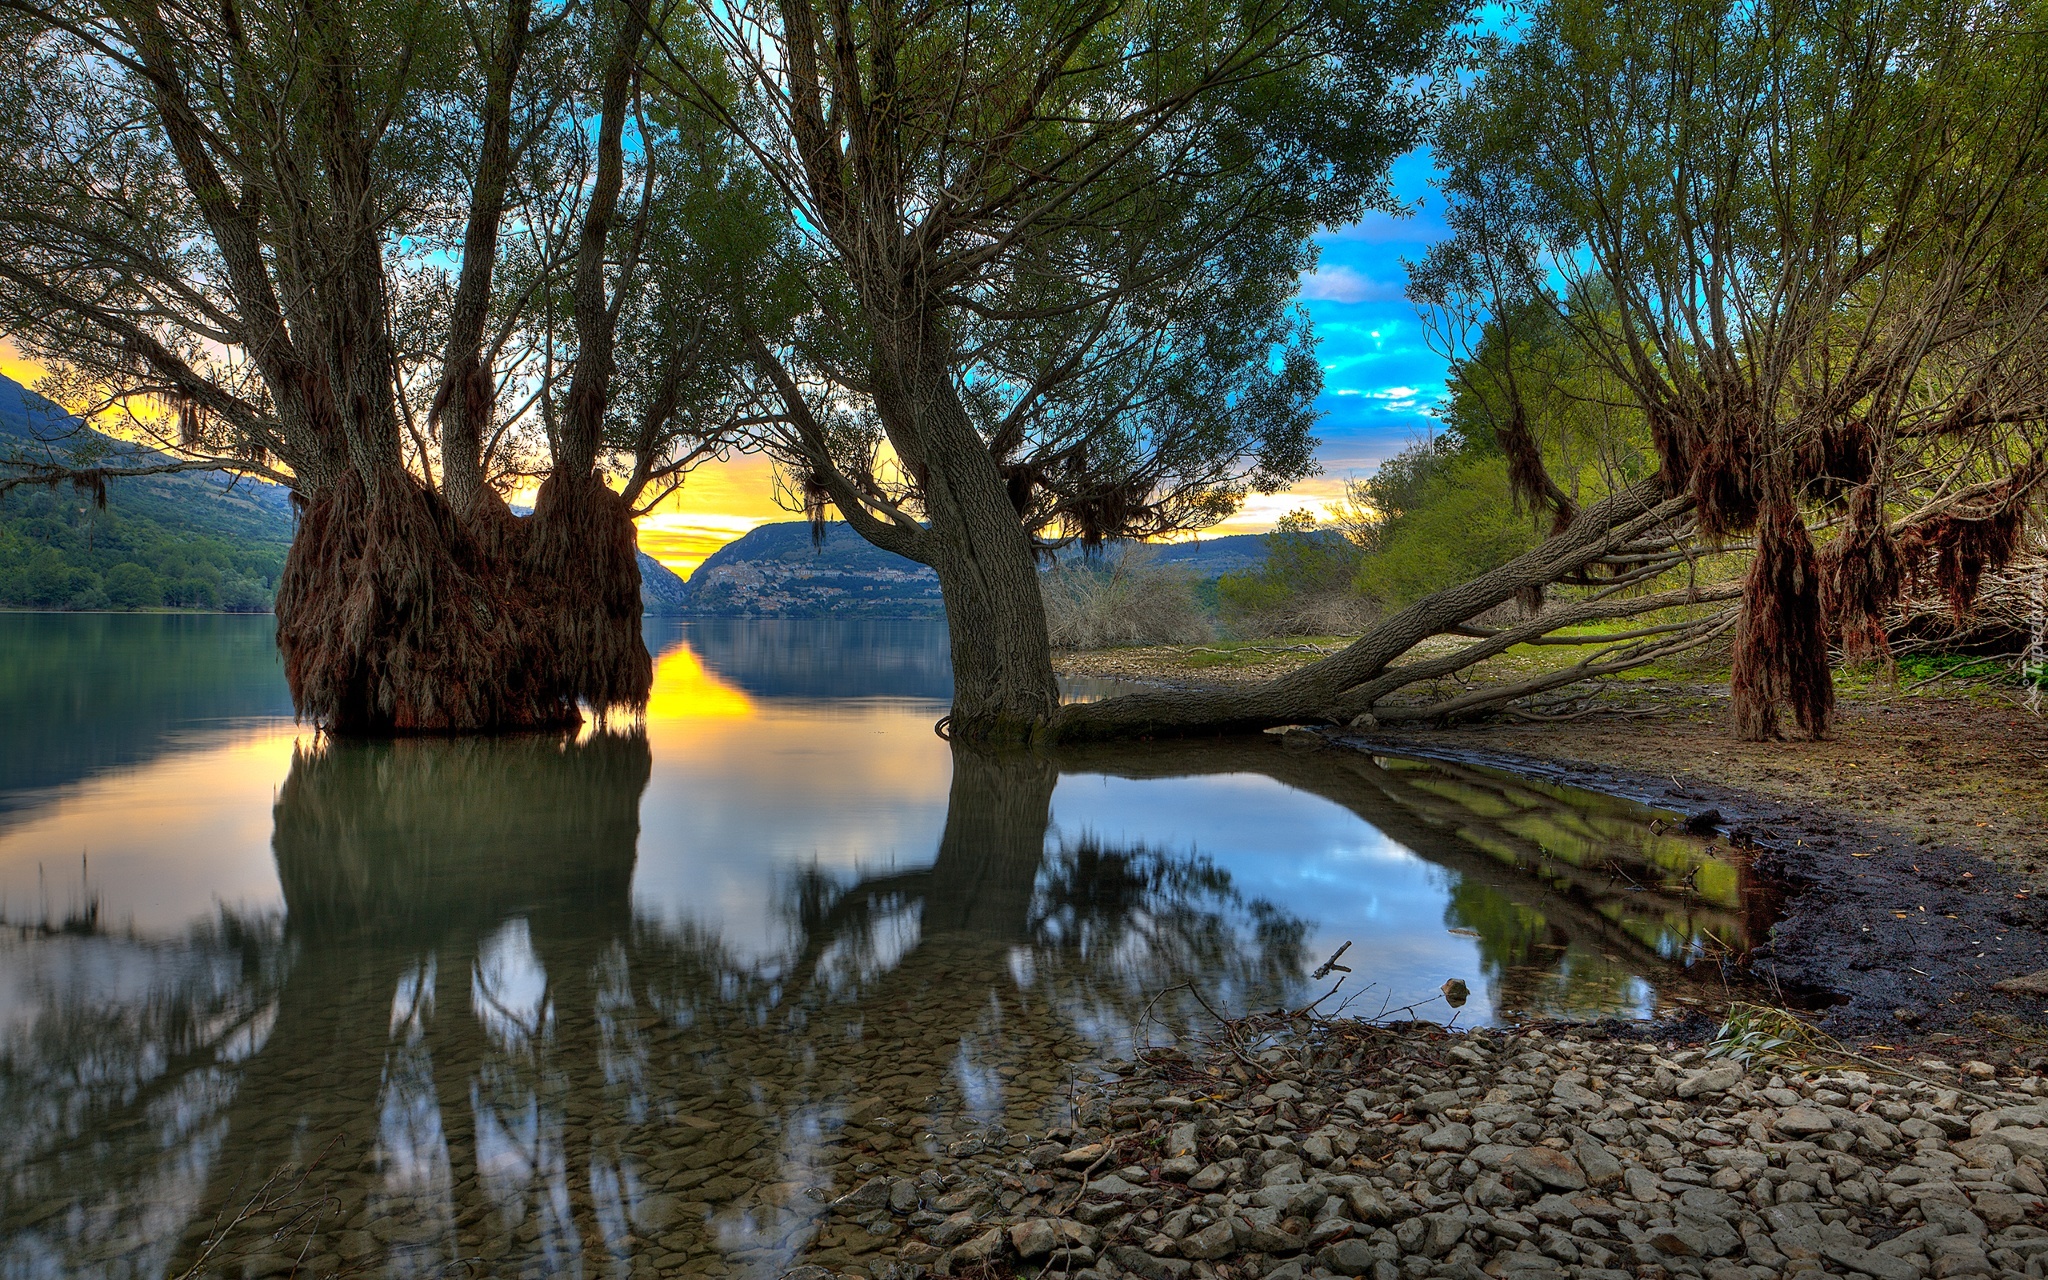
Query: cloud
[(1341, 283)]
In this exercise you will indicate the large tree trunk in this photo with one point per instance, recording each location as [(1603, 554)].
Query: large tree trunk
[(392, 618), (395, 616), (1004, 689)]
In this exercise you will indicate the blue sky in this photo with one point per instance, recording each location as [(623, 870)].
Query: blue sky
[(1380, 378)]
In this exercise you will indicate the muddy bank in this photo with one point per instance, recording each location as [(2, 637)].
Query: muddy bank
[(1907, 937), (1949, 763)]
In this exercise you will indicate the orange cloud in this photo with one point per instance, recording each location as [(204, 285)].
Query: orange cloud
[(720, 502)]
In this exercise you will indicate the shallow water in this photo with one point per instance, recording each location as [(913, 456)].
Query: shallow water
[(632, 1002)]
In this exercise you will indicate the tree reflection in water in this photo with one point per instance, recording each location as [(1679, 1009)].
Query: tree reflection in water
[(484, 1057), (488, 1059)]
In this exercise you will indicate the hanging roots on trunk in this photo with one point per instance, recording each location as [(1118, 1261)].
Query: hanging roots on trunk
[(817, 505), (392, 619), (1528, 478), (1950, 553), (1781, 653), (583, 569), (1861, 578)]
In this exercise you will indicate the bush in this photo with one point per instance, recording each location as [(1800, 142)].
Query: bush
[(1460, 520), (1125, 600), (1305, 586)]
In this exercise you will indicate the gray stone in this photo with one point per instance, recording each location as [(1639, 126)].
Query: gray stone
[(1348, 1258), (872, 1194), (1600, 1167), (1442, 1231), (1709, 1080), (1212, 1241), (2021, 1142), (1802, 1122), (981, 1248), (1953, 1219), (1554, 1169), (1871, 1263), (1718, 1237), (1449, 1137), (1366, 1205), (1958, 1256), (1282, 1174), (1716, 1204), (1034, 1238), (1678, 1241), (1133, 1259), (952, 1230)]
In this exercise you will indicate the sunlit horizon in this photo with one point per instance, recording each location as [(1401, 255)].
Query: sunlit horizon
[(722, 502)]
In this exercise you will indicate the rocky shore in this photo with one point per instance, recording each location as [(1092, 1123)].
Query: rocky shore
[(1290, 1149)]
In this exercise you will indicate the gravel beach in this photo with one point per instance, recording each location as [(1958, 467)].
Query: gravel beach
[(1309, 1149)]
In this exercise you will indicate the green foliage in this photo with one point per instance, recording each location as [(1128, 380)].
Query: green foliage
[(1459, 520), (1927, 666), (58, 552)]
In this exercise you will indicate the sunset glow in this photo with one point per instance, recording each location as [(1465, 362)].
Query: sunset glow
[(723, 501), (685, 690)]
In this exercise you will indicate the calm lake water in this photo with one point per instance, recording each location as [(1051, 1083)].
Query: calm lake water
[(635, 1001)]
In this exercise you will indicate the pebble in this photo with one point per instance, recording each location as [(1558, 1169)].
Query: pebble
[(1409, 1152)]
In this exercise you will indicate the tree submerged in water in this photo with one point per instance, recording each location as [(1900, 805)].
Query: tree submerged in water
[(406, 260)]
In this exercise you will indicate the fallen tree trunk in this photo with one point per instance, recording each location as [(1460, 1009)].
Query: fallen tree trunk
[(1626, 526)]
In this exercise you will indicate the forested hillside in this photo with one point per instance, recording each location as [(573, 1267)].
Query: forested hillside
[(193, 541)]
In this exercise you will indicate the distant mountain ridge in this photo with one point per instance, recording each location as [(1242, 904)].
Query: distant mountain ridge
[(196, 539), (775, 572)]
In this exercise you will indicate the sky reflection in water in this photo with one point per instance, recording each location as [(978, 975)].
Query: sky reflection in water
[(559, 1004)]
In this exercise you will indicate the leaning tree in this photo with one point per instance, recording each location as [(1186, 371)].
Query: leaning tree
[(1037, 281), (393, 256), (1796, 242), (1801, 241)]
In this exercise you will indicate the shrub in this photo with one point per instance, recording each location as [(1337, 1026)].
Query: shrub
[(1127, 599), (1305, 586)]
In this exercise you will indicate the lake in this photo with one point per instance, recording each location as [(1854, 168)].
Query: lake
[(638, 1000)]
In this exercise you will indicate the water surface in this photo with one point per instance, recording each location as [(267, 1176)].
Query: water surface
[(633, 1001)]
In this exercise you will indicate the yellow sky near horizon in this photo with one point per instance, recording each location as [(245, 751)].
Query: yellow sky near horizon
[(723, 501)]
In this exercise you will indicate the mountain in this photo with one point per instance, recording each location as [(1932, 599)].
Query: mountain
[(775, 572), (1207, 557), (196, 540), (661, 591)]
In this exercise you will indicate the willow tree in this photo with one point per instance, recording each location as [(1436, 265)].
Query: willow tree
[(1038, 278), (391, 255), (1802, 239)]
